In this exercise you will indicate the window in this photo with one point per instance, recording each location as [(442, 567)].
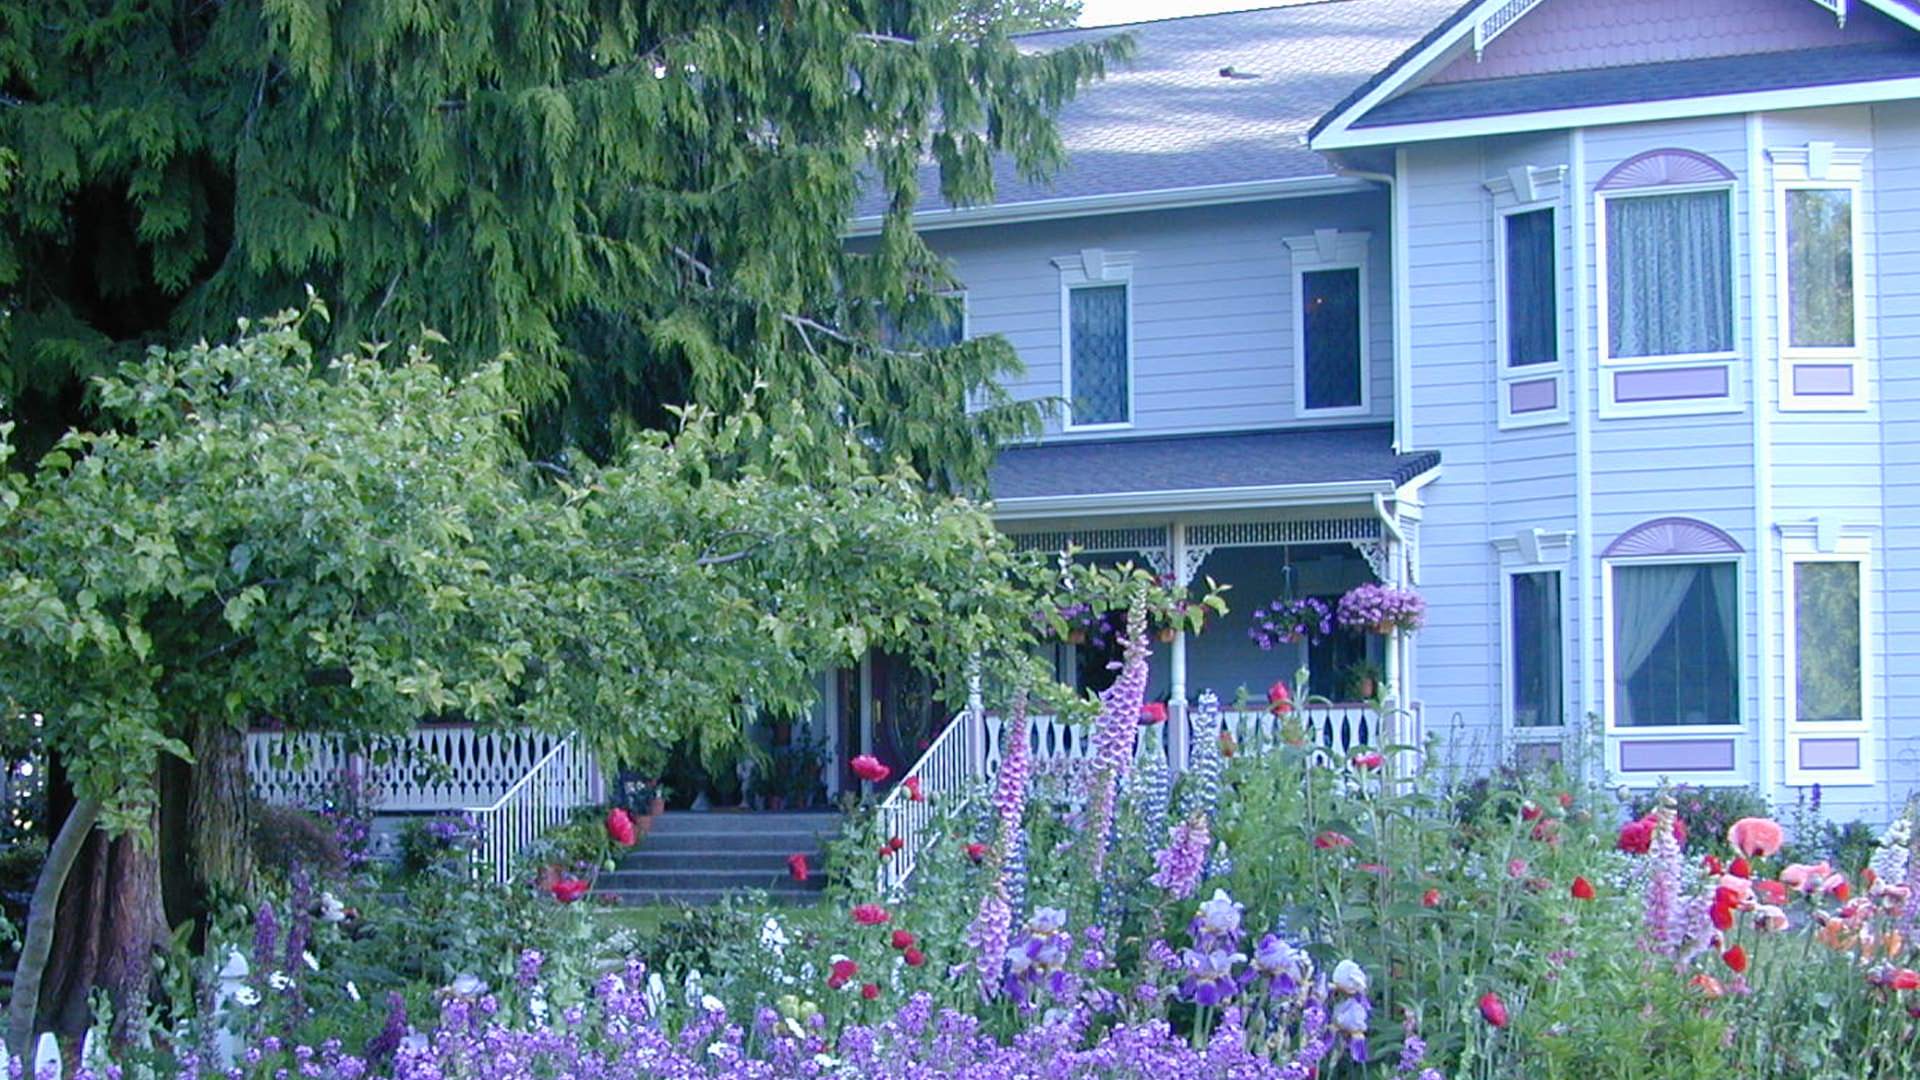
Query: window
[(1330, 323), (1668, 290), (945, 328), (1331, 328), (1827, 658), (1675, 644), (1535, 637), (1819, 267), (1098, 355), (1531, 294)]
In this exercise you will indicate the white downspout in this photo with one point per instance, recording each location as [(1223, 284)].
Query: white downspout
[(1584, 579), (1400, 249), (1759, 360)]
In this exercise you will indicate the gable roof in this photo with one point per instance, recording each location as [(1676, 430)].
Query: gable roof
[(1344, 124), (1170, 121)]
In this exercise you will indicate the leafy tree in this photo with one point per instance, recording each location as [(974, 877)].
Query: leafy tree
[(361, 546), (640, 205)]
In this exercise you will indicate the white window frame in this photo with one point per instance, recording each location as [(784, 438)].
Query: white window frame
[(1737, 731), (1797, 550), (1733, 401), (1819, 166), (1093, 268), (1539, 733), (1555, 369), (1329, 249)]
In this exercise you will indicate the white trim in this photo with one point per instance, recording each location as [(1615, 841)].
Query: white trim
[(1582, 404), (1220, 498), (1740, 731), (1805, 97), (1328, 250), (1122, 202), (1505, 375), (1795, 552), (1610, 365), (1760, 336), (1813, 168), (1400, 221), (1093, 268), (1512, 732)]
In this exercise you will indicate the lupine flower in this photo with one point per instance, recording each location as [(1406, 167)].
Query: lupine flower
[(620, 827), (1183, 861), (1666, 920), (870, 768), (1493, 1010), (1115, 734), (1755, 837)]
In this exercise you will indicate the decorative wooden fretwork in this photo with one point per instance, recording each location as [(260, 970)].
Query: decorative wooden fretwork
[(1495, 22), (1838, 7), (1268, 533), (1098, 541)]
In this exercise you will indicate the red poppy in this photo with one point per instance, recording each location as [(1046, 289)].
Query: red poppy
[(977, 852), (620, 827), (1582, 889), (568, 889), (1547, 831), (797, 867), (845, 969), (1741, 868), (1906, 979), (896, 843), (1368, 759), (1771, 891), (870, 991), (1330, 839), (1736, 959), (870, 768), (902, 939), (1430, 898), (1722, 917), (1841, 891), (1711, 864), (1153, 713), (912, 784), (1636, 837), (1530, 811), (1493, 1009), (870, 914), (914, 957), (1278, 699), (1565, 800), (886, 852)]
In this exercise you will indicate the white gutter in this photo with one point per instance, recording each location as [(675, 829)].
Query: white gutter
[(1119, 202), (1362, 492)]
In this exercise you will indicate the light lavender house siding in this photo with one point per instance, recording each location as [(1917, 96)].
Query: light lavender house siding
[(1213, 305), (1578, 35)]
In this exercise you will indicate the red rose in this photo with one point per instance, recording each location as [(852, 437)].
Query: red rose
[(1636, 837), (902, 939), (1330, 839), (797, 867), (1430, 898), (1493, 1009), (895, 843), (870, 914), (1736, 959), (1566, 800), (870, 991), (912, 784), (620, 827), (869, 768), (977, 852), (1582, 889), (1153, 713), (845, 969), (568, 889), (914, 957)]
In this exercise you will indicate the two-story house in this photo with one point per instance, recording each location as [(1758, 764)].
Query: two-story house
[(1585, 319)]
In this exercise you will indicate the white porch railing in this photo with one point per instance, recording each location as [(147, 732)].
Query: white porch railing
[(951, 768), (558, 784), (431, 769)]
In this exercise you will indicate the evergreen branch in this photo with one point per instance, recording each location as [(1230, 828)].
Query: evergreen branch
[(884, 39)]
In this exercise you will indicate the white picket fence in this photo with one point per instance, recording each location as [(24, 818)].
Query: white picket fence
[(558, 784), (428, 770)]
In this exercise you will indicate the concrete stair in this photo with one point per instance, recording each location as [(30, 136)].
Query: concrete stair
[(696, 858)]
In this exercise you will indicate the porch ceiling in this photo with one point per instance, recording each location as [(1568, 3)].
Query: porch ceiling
[(1314, 461)]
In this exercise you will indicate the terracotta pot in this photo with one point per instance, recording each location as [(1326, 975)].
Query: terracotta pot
[(1167, 634)]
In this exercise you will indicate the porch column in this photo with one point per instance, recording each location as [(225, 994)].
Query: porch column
[(1177, 559), (976, 721)]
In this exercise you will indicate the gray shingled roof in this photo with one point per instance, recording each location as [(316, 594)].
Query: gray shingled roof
[(1169, 119), (1649, 82), (1200, 462)]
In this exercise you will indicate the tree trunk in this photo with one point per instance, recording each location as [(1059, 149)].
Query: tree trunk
[(38, 945), (108, 925)]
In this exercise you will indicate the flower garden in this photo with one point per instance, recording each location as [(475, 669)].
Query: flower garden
[(1269, 914)]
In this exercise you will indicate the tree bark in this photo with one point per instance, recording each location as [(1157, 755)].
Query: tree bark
[(61, 856), (109, 923), (219, 854)]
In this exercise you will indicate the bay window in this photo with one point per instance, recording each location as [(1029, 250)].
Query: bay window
[(1675, 644)]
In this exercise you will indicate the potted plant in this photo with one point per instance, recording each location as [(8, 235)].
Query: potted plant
[(1362, 681), (1382, 609), (1285, 622), (657, 799)]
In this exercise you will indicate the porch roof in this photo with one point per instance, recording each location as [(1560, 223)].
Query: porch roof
[(1353, 460)]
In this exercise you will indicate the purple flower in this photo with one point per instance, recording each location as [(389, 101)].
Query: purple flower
[(1380, 608)]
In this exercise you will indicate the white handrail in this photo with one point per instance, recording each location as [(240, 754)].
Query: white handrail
[(950, 767), (562, 781)]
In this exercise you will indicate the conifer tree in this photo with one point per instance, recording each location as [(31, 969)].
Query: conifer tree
[(640, 204)]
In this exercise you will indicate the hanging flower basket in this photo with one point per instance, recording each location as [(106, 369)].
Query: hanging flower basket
[(1382, 609), (1285, 622)]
